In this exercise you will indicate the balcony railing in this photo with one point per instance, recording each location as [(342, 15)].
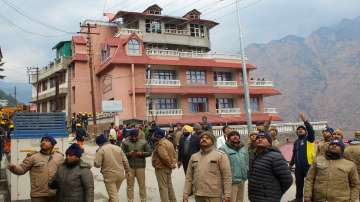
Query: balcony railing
[(225, 83), (126, 31), (57, 65), (177, 31), (174, 53), (270, 110), (262, 83), (162, 82), (228, 111), (165, 112)]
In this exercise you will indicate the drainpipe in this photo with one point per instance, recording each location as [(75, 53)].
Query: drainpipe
[(133, 90)]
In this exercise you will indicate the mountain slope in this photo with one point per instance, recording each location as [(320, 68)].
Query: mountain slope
[(23, 90), (11, 100), (319, 74)]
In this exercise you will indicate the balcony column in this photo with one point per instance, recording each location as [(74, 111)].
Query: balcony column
[(133, 90), (261, 104)]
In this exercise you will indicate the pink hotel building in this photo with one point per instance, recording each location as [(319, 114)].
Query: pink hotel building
[(161, 69)]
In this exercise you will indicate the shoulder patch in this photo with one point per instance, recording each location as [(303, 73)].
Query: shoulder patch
[(220, 151), (31, 153), (57, 152)]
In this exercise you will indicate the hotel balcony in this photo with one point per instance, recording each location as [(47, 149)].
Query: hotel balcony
[(126, 31), (261, 83), (228, 111), (270, 110), (50, 92), (177, 32), (57, 65), (162, 82), (182, 54), (165, 112), (225, 83)]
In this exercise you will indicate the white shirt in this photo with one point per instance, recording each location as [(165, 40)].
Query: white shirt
[(220, 141)]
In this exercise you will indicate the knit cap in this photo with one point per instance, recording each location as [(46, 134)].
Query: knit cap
[(266, 135), (74, 149)]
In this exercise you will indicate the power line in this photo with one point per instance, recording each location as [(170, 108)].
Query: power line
[(27, 31), (241, 8), (35, 20)]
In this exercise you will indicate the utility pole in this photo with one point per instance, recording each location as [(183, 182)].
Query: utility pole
[(244, 72), (34, 71), (15, 93), (90, 54)]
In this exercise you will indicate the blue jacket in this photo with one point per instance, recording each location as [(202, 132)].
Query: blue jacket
[(303, 149), (239, 162)]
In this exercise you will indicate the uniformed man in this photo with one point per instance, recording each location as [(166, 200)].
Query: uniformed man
[(322, 147), (352, 152), (332, 178), (208, 176), (42, 166), (164, 160)]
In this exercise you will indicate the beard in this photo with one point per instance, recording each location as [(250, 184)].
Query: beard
[(332, 155), (71, 164)]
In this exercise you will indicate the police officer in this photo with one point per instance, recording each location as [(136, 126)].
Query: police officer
[(42, 165)]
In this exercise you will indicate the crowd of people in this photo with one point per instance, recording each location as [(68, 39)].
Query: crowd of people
[(216, 168)]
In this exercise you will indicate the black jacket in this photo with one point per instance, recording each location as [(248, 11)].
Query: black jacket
[(269, 177), (193, 148)]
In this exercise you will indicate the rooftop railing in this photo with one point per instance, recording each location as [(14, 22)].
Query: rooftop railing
[(182, 54)]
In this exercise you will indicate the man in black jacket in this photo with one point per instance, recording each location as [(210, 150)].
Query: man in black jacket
[(189, 144), (303, 155), (269, 176)]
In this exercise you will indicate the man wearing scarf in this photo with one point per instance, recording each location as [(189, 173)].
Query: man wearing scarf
[(239, 159), (331, 177)]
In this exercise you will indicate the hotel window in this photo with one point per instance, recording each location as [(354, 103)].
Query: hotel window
[(222, 76), (133, 47), (163, 74), (254, 104), (73, 94), (105, 53), (198, 104), (44, 85), (166, 103), (153, 26), (196, 77), (197, 30), (224, 103)]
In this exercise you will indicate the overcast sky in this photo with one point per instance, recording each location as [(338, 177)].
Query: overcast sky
[(29, 29)]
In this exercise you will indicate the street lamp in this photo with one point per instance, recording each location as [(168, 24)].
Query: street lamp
[(244, 72)]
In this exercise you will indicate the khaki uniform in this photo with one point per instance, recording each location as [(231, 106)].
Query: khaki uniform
[(164, 160), (114, 164), (42, 168), (178, 135), (208, 175), (352, 153), (321, 148), (332, 181)]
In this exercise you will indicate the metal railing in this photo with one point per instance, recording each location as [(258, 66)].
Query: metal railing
[(225, 83), (174, 53), (270, 110), (162, 82), (165, 112), (177, 31), (262, 83), (228, 111), (56, 65), (126, 31), (281, 127)]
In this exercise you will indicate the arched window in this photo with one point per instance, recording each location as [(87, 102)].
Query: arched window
[(133, 47)]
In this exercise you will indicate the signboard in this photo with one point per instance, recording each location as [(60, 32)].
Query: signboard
[(3, 103), (112, 106)]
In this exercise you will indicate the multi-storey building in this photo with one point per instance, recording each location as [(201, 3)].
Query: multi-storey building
[(50, 84), (161, 68)]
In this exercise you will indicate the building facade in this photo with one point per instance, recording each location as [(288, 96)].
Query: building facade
[(51, 83), (161, 68)]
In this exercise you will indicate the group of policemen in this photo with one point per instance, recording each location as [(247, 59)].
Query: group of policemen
[(324, 171)]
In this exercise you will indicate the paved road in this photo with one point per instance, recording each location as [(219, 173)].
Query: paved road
[(151, 183)]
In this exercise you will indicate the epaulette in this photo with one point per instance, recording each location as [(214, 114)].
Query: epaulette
[(220, 151), (31, 153), (58, 152)]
